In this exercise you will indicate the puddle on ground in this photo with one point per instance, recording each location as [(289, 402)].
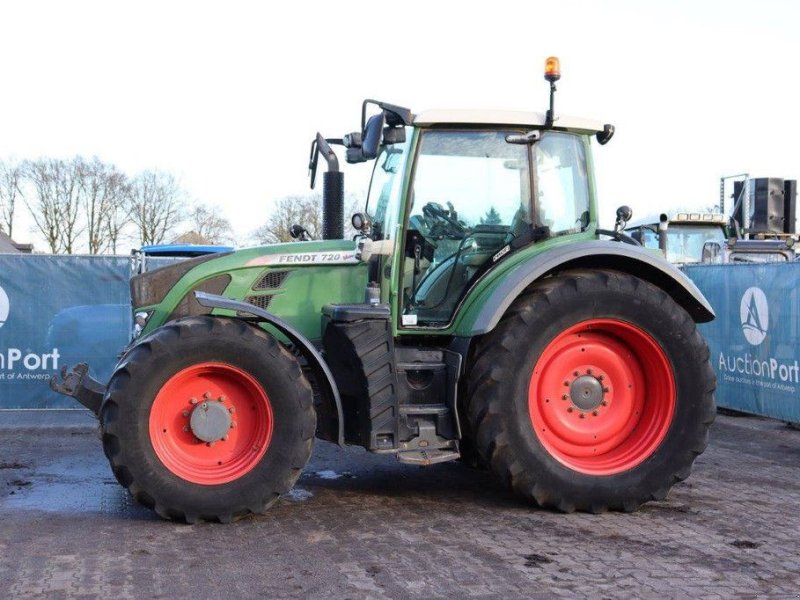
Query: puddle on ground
[(298, 495)]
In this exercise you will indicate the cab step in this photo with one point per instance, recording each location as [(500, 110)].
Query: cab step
[(428, 457)]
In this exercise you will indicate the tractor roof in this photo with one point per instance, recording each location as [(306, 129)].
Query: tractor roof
[(503, 117)]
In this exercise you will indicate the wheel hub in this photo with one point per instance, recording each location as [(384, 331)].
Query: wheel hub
[(586, 392), (210, 421)]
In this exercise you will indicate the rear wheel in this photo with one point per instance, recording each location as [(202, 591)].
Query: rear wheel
[(208, 418), (594, 392)]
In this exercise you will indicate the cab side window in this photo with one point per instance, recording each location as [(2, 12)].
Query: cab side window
[(562, 183)]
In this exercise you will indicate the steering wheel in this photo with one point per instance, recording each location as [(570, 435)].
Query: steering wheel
[(441, 223)]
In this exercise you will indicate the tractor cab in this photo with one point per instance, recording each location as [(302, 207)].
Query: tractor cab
[(457, 197)]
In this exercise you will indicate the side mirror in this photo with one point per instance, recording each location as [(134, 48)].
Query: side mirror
[(371, 137), (603, 137)]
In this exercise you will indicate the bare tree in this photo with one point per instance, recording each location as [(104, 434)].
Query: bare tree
[(104, 192), (291, 210), (305, 210), (156, 205), (55, 202), (10, 188), (209, 223), (117, 217)]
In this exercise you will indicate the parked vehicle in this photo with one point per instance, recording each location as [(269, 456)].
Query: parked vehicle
[(470, 315), (681, 236)]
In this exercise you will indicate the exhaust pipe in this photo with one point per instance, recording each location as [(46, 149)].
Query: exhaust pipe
[(663, 224), (333, 205), (332, 193)]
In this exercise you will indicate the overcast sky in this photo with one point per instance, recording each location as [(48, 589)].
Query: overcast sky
[(229, 95)]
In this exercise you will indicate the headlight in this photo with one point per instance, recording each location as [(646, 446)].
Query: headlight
[(139, 321)]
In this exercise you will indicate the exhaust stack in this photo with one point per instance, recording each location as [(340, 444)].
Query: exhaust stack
[(333, 205), (332, 189)]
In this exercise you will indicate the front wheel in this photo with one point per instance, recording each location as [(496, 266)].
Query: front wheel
[(208, 418), (593, 393)]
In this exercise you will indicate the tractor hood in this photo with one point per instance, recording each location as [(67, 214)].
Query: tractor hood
[(151, 288), (292, 281)]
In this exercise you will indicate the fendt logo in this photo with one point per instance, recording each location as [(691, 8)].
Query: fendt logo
[(754, 314), (4, 306)]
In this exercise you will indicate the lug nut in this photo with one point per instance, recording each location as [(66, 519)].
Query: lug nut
[(599, 378), (192, 400), (576, 373), (604, 403), (605, 390), (233, 424), (209, 444), (232, 409), (595, 413), (221, 398), (566, 384), (564, 397), (186, 413), (570, 409), (582, 416), (207, 395), (186, 428), (225, 438), (588, 371)]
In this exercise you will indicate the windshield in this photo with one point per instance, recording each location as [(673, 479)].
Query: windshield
[(684, 242), (383, 200)]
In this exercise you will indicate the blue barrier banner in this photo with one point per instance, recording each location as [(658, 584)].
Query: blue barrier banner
[(57, 311), (754, 339)]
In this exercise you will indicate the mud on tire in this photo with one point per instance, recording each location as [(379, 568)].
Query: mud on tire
[(594, 392), (263, 414)]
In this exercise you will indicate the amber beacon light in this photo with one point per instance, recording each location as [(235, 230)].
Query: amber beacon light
[(552, 69)]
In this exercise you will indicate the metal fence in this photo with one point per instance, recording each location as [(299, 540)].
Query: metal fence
[(56, 311), (61, 310), (754, 339)]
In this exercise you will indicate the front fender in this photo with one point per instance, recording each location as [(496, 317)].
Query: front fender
[(483, 314), (307, 349)]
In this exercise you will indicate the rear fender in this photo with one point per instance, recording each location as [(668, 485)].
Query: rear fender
[(306, 348), (487, 310)]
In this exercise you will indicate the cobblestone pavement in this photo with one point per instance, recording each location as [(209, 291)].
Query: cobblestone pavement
[(365, 526)]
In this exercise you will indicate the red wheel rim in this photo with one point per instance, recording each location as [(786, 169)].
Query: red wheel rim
[(248, 429), (602, 397)]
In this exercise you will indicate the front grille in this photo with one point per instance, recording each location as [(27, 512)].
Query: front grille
[(152, 287), (271, 280), (189, 306), (261, 302)]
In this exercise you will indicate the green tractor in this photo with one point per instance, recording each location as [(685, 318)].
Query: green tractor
[(476, 314)]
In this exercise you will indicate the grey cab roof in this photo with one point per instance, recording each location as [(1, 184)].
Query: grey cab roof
[(503, 117)]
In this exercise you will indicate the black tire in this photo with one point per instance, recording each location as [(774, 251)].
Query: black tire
[(501, 372), (180, 345)]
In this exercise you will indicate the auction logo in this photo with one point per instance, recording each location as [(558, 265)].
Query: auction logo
[(4, 306), (754, 314)]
